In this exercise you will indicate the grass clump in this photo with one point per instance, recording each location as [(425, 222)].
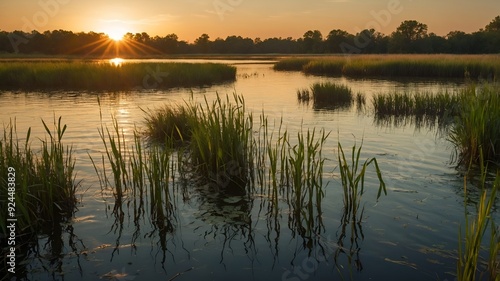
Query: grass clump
[(476, 129), (45, 188), (80, 75), (168, 124), (221, 140), (329, 94)]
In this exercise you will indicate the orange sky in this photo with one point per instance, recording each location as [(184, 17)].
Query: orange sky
[(248, 18)]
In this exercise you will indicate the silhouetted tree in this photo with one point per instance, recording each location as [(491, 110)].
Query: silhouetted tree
[(202, 43), (340, 41), (408, 38), (494, 25), (312, 42)]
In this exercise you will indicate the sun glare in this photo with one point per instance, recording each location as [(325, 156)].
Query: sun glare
[(116, 34)]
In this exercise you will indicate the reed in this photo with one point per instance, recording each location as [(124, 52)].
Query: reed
[(445, 66), (353, 180), (45, 186), (469, 245), (476, 129), (80, 75), (221, 144), (168, 124), (331, 95)]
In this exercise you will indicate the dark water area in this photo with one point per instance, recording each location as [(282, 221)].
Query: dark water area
[(409, 234)]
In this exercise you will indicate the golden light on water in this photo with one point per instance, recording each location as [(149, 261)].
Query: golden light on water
[(116, 61)]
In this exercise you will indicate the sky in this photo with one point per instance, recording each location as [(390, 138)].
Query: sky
[(188, 19)]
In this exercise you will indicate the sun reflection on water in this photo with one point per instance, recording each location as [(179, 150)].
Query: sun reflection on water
[(117, 61)]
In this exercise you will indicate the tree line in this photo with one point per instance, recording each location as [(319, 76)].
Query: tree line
[(410, 37)]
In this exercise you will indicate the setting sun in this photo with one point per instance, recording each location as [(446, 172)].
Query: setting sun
[(115, 34)]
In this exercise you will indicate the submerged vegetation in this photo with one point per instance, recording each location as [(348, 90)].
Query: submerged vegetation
[(81, 75), (434, 66)]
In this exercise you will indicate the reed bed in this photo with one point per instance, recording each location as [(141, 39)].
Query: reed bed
[(434, 66), (291, 64), (428, 107), (79, 75), (476, 129), (221, 147), (45, 187), (327, 95)]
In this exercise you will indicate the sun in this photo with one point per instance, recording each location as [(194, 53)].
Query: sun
[(116, 34)]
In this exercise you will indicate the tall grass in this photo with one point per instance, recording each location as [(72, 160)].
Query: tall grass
[(331, 95), (445, 66), (221, 140), (420, 108), (78, 75), (469, 245), (352, 175), (476, 129), (168, 124), (45, 184)]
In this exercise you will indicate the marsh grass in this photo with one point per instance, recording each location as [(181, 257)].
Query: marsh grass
[(45, 190), (469, 243), (352, 175), (476, 129), (445, 66), (420, 108), (80, 75), (331, 95), (291, 64), (221, 146), (168, 124)]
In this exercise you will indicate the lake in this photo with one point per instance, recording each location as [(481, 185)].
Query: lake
[(411, 233)]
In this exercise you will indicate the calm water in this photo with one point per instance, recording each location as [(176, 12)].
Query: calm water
[(409, 234)]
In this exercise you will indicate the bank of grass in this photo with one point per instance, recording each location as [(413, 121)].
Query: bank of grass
[(80, 75), (430, 66), (472, 116), (45, 187)]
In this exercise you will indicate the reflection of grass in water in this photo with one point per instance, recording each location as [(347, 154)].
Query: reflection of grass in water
[(352, 174)]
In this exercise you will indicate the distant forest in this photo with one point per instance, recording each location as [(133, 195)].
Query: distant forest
[(410, 37)]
